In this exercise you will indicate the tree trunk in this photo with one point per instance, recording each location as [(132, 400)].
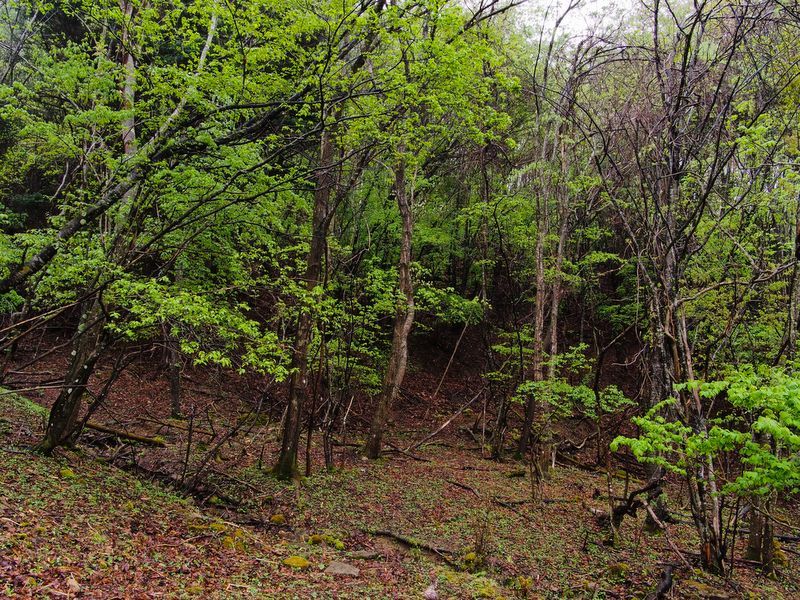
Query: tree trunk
[(87, 348), (537, 359), (173, 356), (404, 320), (298, 383), (756, 536)]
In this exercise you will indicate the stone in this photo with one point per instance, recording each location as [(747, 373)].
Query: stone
[(341, 569), (365, 555), (73, 586)]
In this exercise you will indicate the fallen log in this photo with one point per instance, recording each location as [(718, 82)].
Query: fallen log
[(125, 435), (413, 543), (780, 537)]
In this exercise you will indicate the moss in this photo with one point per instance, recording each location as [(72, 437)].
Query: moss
[(778, 555), (524, 584), (471, 561), (29, 406), (485, 587), (277, 519), (329, 540), (233, 542), (218, 526), (297, 562), (697, 589), (618, 570), (67, 473)]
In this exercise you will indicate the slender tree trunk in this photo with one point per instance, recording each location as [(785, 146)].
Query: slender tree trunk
[(760, 541), (537, 359), (555, 295), (174, 358), (404, 320), (562, 193), (756, 535), (298, 384), (789, 343)]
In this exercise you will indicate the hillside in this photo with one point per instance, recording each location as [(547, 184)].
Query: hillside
[(75, 526)]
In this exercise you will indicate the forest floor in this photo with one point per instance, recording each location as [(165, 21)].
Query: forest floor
[(73, 525), (106, 519)]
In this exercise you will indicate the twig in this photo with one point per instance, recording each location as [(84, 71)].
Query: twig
[(446, 423), (663, 528)]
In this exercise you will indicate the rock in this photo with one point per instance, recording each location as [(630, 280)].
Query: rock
[(297, 562), (365, 555), (472, 561), (73, 586), (618, 570), (338, 569)]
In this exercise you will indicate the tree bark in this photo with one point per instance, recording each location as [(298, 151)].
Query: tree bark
[(403, 322), (298, 383), (173, 356), (537, 359), (64, 413)]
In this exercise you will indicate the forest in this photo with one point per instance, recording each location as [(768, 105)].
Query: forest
[(420, 299)]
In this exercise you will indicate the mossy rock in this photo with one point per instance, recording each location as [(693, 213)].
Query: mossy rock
[(618, 570), (67, 473), (277, 519), (700, 590), (297, 562), (329, 540), (472, 561), (778, 555)]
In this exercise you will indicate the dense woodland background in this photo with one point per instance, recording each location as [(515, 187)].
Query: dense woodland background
[(303, 232)]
